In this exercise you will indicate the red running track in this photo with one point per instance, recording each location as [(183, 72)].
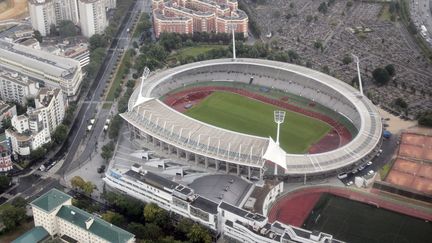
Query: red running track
[(338, 137), (295, 207)]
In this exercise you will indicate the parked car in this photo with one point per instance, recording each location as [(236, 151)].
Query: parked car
[(342, 175)]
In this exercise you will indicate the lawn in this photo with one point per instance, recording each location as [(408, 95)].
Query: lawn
[(242, 114), (356, 222), (194, 51)]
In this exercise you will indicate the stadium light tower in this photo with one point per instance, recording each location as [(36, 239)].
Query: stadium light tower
[(357, 60), (144, 76), (279, 118), (233, 35)]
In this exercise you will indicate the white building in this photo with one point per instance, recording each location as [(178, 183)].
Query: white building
[(53, 211), (51, 104), (16, 88), (42, 15), (93, 19), (90, 14), (34, 129), (66, 10), (28, 133), (48, 69), (222, 218), (5, 160)]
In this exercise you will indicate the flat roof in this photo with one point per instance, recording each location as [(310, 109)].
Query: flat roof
[(51, 200), (152, 179), (45, 62), (205, 205)]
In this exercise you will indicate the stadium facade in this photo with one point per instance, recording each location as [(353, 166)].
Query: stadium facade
[(152, 121)]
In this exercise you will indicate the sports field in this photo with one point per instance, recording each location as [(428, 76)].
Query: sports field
[(357, 222), (242, 114)]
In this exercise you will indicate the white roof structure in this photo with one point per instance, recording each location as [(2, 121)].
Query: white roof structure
[(157, 119), (12, 54)]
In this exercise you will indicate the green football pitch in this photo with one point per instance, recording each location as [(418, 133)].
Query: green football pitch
[(356, 222), (242, 114)]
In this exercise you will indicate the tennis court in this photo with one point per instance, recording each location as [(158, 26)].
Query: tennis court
[(357, 222)]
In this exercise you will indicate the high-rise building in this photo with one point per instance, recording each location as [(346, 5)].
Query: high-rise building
[(89, 14), (93, 18), (66, 10), (42, 15)]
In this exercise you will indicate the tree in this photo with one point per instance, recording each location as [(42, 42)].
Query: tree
[(114, 127), (425, 119), (151, 211), (19, 202), (77, 182), (67, 28), (152, 232), (12, 216), (347, 60), (60, 134), (381, 76), (400, 103), (97, 41), (114, 218), (137, 229), (198, 234), (37, 35), (107, 151), (4, 183), (391, 69), (53, 30), (323, 8), (318, 45), (38, 153)]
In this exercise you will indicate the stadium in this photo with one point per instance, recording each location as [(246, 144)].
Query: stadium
[(219, 113)]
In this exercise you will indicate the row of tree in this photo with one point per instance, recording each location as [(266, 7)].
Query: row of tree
[(151, 223)]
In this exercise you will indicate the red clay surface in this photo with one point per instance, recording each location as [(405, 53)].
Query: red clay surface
[(337, 137), (413, 167), (295, 207), (416, 146)]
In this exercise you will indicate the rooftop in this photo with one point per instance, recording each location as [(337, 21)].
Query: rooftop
[(51, 200), (205, 205), (36, 234), (153, 179), (99, 227), (42, 61)]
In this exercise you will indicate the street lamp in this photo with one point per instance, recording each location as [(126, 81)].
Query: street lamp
[(279, 118), (357, 60)]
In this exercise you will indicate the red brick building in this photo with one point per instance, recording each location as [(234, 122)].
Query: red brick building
[(189, 16)]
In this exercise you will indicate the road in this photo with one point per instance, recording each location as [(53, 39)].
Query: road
[(421, 14), (89, 107)]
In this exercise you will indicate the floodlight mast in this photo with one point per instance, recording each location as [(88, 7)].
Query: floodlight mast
[(279, 118), (144, 76), (233, 40), (357, 60)]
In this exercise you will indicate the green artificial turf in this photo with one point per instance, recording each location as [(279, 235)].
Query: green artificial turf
[(242, 114)]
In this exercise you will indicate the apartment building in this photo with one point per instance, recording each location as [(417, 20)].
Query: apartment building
[(47, 69), (15, 87), (56, 217), (89, 14), (42, 15), (7, 111), (27, 133), (93, 19), (5, 160), (34, 129), (223, 219), (187, 17)]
